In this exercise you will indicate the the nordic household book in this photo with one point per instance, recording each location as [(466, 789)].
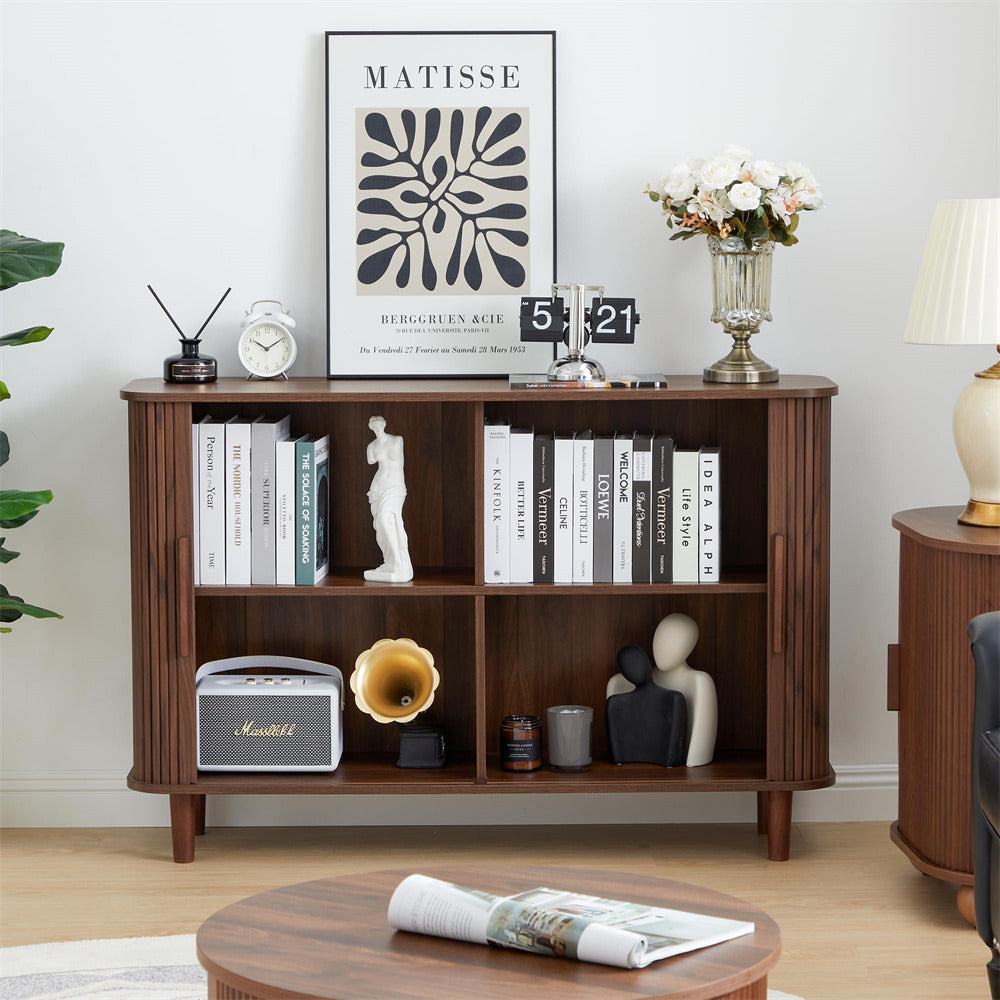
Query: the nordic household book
[(555, 922)]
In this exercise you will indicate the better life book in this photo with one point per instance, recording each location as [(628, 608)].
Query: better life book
[(555, 922)]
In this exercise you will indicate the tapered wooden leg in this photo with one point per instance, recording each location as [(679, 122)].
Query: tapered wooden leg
[(779, 825), (199, 815), (182, 826), (761, 812), (967, 903)]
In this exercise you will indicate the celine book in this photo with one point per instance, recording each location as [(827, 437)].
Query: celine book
[(562, 486), (557, 923)]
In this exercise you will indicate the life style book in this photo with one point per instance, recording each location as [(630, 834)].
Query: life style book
[(556, 922)]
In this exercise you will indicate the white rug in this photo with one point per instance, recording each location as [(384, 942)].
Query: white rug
[(152, 968)]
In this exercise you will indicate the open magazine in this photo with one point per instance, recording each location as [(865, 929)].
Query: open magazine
[(554, 922)]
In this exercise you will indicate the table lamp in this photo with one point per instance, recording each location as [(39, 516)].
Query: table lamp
[(957, 301)]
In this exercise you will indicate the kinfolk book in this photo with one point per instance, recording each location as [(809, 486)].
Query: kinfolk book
[(708, 515), (313, 497), (265, 433), (496, 502), (557, 923)]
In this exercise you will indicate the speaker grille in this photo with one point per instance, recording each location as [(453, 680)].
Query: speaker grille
[(308, 745)]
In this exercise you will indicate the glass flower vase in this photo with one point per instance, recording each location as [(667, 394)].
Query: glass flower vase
[(741, 301)]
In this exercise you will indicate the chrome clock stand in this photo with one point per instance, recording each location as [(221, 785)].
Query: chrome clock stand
[(576, 366)]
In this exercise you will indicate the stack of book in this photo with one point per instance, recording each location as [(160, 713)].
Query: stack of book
[(605, 508), (261, 502)]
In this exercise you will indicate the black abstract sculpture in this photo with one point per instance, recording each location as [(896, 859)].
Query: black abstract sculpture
[(647, 725)]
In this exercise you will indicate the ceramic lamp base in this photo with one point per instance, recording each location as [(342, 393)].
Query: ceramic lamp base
[(740, 365), (976, 426)]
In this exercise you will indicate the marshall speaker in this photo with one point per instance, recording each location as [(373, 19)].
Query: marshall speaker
[(274, 721)]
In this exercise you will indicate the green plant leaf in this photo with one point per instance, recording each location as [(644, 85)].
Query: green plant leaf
[(653, 196), (4, 448), (794, 224), (23, 258), (15, 504), (14, 606), (4, 392), (32, 335), (789, 240), (7, 555), (16, 522)]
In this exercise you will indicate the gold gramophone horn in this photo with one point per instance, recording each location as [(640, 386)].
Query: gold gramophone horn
[(394, 681)]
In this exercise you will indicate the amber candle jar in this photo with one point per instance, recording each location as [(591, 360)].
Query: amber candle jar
[(521, 743)]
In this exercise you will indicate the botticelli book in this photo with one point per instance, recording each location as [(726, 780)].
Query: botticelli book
[(579, 508)]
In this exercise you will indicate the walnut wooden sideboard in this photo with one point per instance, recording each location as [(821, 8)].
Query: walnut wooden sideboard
[(501, 649), (948, 574)]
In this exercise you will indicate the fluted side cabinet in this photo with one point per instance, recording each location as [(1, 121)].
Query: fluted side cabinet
[(948, 574), (501, 649)]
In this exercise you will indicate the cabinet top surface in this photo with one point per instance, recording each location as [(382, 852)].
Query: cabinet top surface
[(938, 527), (309, 390)]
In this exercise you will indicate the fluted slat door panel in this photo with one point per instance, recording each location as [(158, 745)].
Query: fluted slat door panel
[(939, 592), (799, 589), (162, 592)]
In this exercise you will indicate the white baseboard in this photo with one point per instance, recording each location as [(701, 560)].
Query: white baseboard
[(100, 799)]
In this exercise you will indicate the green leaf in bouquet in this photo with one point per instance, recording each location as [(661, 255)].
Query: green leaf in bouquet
[(793, 225), (789, 240), (4, 392), (7, 555), (25, 259), (679, 236), (653, 196), (16, 505), (32, 335), (4, 448)]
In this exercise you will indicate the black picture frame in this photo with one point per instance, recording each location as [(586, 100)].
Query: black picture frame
[(440, 200)]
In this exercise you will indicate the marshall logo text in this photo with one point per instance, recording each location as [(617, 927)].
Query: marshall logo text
[(248, 729)]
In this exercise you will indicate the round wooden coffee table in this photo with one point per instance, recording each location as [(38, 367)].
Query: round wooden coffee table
[(330, 940)]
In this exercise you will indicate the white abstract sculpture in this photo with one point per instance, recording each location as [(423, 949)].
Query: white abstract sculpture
[(386, 496), (673, 642)]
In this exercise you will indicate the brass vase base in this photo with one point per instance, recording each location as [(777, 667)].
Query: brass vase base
[(981, 514), (741, 365)]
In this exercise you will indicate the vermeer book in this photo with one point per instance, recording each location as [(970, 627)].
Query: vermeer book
[(661, 539), (557, 923), (542, 484)]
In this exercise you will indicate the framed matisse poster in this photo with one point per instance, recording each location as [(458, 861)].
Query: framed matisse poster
[(440, 200)]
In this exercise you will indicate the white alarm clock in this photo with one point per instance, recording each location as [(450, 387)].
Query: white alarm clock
[(267, 348)]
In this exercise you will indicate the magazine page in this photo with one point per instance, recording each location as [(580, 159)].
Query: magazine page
[(555, 922), (429, 906), (612, 931)]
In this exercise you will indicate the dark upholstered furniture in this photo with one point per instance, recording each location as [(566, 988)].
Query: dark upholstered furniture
[(984, 634)]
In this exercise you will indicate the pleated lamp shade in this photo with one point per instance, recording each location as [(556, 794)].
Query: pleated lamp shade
[(957, 298)]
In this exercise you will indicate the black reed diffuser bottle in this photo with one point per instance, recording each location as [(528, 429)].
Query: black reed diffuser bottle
[(190, 365)]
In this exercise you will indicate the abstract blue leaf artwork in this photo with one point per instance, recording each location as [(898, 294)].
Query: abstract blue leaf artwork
[(442, 201)]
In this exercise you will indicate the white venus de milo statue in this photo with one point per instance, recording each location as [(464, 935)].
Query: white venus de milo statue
[(673, 642), (386, 495)]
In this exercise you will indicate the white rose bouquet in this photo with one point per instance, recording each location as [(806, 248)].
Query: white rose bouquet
[(732, 195)]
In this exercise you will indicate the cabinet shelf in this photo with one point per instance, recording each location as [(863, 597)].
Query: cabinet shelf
[(500, 649), (459, 583)]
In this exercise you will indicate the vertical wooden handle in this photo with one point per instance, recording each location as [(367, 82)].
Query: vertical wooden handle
[(183, 583), (778, 593), (892, 678)]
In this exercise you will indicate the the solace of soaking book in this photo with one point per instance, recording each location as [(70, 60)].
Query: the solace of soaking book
[(555, 922)]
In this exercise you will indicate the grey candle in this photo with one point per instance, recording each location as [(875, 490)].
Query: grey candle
[(568, 728)]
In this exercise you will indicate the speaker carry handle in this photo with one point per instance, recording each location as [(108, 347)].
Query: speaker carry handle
[(275, 663)]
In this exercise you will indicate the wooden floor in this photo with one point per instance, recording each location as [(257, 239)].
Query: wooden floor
[(858, 922)]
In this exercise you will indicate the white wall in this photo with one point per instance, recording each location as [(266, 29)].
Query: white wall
[(182, 144)]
